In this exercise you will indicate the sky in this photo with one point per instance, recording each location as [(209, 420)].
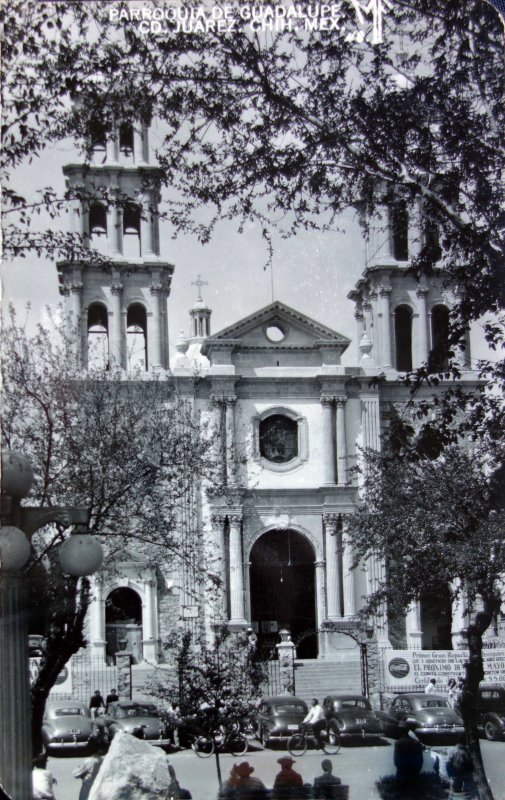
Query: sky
[(312, 272)]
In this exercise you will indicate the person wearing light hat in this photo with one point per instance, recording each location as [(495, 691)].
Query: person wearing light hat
[(286, 779), (323, 785)]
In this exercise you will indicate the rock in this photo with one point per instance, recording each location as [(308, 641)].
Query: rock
[(132, 770)]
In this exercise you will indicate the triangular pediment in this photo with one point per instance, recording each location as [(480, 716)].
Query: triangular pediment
[(281, 327)]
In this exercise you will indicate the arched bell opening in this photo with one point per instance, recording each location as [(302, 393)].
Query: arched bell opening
[(123, 624), (283, 593)]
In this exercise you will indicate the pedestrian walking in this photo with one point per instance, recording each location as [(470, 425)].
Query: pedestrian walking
[(43, 779), (459, 768), (431, 686), (96, 702), (451, 692)]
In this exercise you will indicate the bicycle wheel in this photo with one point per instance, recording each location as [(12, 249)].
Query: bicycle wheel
[(331, 740), (237, 744), (203, 746), (297, 744)]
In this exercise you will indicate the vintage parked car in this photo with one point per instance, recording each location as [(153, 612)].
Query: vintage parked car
[(279, 717), (491, 711), (66, 725), (136, 718), (353, 715), (429, 716)]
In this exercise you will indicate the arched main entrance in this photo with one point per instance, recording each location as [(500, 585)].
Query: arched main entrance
[(123, 623), (283, 590)]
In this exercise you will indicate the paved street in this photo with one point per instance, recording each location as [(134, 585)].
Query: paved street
[(357, 766)]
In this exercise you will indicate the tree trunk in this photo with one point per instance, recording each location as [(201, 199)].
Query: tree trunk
[(474, 669), (65, 638), (218, 764)]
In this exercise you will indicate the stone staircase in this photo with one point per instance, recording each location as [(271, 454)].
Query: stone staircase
[(319, 678)]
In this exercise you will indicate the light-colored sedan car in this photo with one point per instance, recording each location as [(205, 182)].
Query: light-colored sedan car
[(429, 716), (139, 719), (67, 725)]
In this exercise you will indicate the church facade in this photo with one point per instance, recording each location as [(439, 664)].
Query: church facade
[(291, 420)]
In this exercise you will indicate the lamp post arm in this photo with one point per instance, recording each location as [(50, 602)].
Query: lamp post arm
[(31, 519)]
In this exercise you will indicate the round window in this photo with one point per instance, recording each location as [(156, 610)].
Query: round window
[(275, 333), (278, 439)]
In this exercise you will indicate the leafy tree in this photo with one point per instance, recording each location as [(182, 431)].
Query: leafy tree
[(436, 523), (219, 684), (129, 450)]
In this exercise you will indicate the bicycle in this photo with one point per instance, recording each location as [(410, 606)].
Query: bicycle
[(329, 737), (234, 741)]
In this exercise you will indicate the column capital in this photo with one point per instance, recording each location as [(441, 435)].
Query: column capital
[(358, 314), (235, 518), (331, 521), (326, 399), (319, 564), (422, 291), (230, 399), (216, 399), (373, 295), (340, 401), (385, 291), (367, 306), (156, 289), (65, 291), (218, 519), (75, 288), (116, 288)]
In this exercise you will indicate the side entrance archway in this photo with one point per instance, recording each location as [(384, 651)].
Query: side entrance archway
[(123, 624), (282, 581)]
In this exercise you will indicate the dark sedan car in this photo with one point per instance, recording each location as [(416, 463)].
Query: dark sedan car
[(353, 715), (66, 725), (429, 715), (279, 717), (491, 711), (132, 717)]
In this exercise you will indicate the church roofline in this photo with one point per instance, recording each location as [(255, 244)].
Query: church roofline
[(323, 334)]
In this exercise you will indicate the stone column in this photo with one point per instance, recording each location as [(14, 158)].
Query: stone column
[(376, 336), (115, 338), (348, 572), (148, 630), (360, 323), (155, 354), (218, 521), (237, 605), (320, 592), (112, 149), (328, 454), (98, 621), (230, 439), (459, 622), (114, 231), (217, 405), (341, 442), (422, 332), (385, 323), (368, 320), (146, 229), (124, 675), (77, 218), (413, 627), (77, 322), (370, 420), (138, 146), (332, 567)]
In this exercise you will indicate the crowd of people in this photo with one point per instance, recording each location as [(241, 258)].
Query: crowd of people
[(288, 784)]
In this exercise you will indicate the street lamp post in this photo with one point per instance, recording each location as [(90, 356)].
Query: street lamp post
[(80, 555)]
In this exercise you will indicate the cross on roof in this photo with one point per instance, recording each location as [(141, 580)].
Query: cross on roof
[(199, 283)]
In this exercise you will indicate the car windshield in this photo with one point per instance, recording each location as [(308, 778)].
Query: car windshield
[(431, 702), (290, 708), (121, 712), (71, 711), (351, 703)]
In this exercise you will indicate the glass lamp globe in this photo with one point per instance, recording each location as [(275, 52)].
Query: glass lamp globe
[(17, 474), (81, 554), (15, 549)]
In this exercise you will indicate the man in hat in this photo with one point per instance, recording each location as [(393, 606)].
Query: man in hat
[(245, 780), (323, 785), (408, 755), (287, 781)]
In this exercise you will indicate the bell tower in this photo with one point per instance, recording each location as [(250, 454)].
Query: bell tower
[(118, 302)]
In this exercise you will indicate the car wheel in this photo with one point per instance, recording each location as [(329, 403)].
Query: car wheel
[(490, 731)]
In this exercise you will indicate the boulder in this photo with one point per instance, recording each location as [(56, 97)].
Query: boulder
[(132, 770)]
